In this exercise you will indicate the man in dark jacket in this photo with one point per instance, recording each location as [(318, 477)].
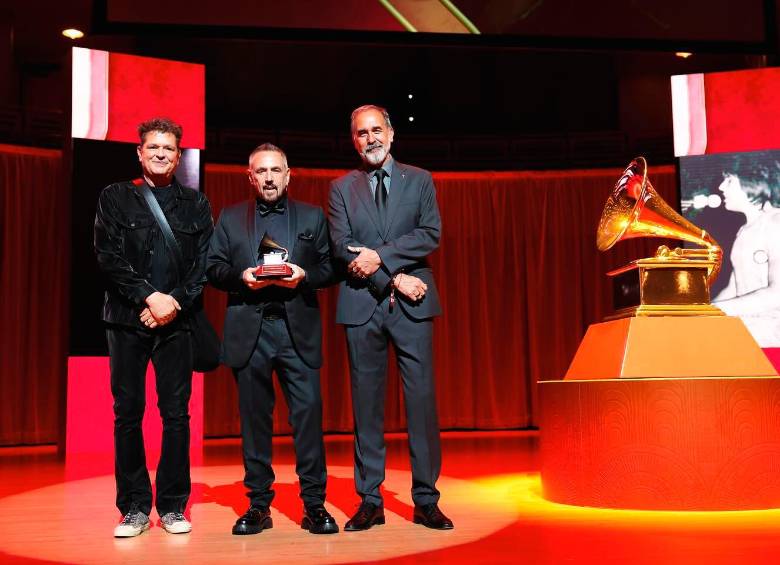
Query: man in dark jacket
[(273, 324), (146, 309)]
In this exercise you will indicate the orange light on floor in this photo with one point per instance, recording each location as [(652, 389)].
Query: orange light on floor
[(523, 493), (72, 33), (683, 54)]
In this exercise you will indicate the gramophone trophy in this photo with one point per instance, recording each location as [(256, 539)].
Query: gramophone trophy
[(676, 282), (274, 257), (644, 337)]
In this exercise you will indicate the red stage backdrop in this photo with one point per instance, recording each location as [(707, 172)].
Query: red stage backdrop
[(518, 270)]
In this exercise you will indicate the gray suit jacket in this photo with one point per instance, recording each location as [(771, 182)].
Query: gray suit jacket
[(411, 233)]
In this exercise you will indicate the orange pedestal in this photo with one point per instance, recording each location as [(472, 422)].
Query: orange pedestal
[(662, 444)]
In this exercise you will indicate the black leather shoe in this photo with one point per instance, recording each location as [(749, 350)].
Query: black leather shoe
[(319, 521), (368, 515), (254, 521), (430, 516)]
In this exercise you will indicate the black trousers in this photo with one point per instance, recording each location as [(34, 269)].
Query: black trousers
[(413, 342), (170, 351), (301, 387)]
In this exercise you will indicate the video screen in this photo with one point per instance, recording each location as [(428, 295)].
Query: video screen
[(726, 112), (113, 92), (729, 171)]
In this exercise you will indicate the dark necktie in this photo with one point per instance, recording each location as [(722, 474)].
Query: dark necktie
[(380, 196)]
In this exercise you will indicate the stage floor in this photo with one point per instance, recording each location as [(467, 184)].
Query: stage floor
[(52, 512)]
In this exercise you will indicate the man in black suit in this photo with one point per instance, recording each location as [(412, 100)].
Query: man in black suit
[(384, 222), (273, 324)]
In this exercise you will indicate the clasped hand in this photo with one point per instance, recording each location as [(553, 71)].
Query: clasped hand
[(160, 309), (248, 276), (410, 286), (365, 264)]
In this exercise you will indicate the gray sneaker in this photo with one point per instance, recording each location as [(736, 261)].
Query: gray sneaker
[(175, 523), (134, 523)]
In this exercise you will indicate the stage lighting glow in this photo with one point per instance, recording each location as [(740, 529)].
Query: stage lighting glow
[(411, 96), (523, 493), (411, 118), (683, 54), (72, 33)]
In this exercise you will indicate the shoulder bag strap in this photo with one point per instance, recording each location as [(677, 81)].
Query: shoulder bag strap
[(158, 214)]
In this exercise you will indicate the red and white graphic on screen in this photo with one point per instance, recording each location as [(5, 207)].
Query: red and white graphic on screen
[(726, 112), (112, 93)]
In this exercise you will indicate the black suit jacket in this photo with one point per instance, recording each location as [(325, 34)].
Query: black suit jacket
[(233, 250), (410, 234)]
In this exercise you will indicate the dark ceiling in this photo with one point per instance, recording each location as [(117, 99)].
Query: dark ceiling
[(280, 81)]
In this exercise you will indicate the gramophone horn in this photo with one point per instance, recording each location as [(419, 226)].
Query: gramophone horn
[(634, 209)]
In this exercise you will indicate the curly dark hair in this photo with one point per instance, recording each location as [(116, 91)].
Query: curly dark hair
[(163, 125)]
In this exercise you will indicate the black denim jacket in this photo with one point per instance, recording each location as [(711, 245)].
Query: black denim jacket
[(124, 234)]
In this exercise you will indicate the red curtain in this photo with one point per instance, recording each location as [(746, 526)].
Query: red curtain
[(520, 280), (34, 283), (518, 271)]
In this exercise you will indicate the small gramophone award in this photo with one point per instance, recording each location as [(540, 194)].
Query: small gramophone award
[(274, 257)]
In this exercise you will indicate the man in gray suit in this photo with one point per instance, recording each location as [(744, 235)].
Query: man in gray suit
[(384, 222)]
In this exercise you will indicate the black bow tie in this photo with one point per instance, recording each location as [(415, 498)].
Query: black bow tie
[(274, 208)]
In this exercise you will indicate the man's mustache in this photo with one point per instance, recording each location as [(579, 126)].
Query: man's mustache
[(373, 145)]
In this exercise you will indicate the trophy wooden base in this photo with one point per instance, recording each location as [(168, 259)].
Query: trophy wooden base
[(669, 347), (273, 271)]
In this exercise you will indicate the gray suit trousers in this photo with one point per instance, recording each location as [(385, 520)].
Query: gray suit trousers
[(367, 344)]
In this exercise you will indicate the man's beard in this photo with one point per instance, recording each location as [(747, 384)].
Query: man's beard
[(273, 197), (374, 153)]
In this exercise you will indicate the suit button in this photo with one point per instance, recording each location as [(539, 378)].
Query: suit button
[(151, 252), (132, 224), (149, 275)]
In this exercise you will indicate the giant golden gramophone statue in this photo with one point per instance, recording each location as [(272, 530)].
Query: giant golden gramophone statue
[(674, 282), (662, 302)]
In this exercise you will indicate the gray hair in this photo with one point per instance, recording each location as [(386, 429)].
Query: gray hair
[(365, 108), (268, 147)]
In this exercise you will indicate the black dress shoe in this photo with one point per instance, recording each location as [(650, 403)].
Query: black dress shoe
[(430, 516), (319, 521), (254, 521), (368, 515)]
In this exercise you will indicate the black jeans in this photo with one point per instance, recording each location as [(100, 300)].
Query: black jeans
[(301, 387), (170, 350)]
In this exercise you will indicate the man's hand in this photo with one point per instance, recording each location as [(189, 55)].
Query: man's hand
[(248, 276), (365, 264), (411, 287), (292, 281), (162, 309)]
